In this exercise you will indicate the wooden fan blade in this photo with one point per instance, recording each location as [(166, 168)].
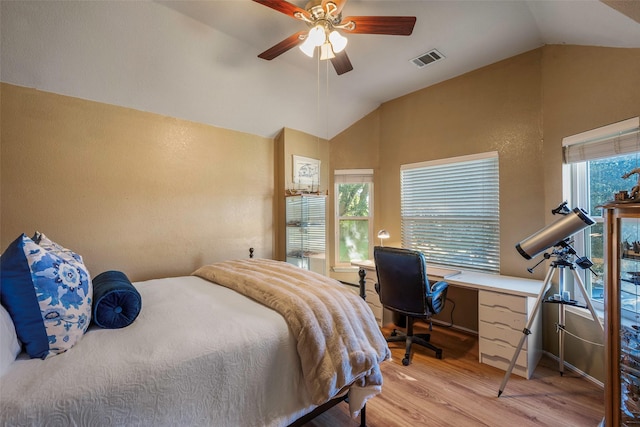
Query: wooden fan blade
[(280, 48), (341, 63), (390, 25), (339, 4), (284, 7)]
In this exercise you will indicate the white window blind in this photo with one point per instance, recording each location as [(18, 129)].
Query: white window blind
[(353, 176), (608, 141), (450, 211), (305, 225)]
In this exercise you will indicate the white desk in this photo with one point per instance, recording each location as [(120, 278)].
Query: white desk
[(504, 306)]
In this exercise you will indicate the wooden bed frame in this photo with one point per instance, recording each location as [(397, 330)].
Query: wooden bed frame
[(325, 407)]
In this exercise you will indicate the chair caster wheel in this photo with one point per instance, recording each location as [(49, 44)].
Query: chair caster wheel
[(439, 354), (394, 333), (405, 361)]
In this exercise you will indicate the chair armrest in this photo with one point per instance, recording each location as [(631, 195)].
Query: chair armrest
[(437, 297), (439, 286)]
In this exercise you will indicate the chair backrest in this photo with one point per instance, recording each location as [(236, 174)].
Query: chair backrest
[(402, 280)]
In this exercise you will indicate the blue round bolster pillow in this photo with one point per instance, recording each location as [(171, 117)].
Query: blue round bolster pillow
[(116, 302)]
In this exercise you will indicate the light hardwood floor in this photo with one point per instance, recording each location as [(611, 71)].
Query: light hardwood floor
[(459, 391)]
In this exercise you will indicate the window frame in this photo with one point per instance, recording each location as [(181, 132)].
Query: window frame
[(352, 176), (578, 196), (606, 142)]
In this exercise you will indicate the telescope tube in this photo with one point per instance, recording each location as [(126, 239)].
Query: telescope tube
[(554, 233)]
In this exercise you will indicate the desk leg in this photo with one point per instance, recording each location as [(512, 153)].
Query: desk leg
[(363, 291)]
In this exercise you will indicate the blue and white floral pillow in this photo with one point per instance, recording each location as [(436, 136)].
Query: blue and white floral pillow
[(51, 246), (47, 290)]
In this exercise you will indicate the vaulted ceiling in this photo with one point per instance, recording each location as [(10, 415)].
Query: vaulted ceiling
[(197, 60)]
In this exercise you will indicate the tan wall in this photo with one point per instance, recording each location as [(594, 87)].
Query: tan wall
[(302, 144), (581, 93), (291, 142), (149, 195), (521, 107), (497, 108), (278, 201), (355, 148)]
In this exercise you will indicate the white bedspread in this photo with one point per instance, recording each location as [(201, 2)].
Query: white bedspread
[(198, 354)]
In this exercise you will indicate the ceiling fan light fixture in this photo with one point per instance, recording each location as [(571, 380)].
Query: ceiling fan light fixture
[(326, 52), (338, 41), (317, 35), (308, 47)]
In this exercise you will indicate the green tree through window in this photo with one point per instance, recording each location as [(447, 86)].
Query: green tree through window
[(353, 221)]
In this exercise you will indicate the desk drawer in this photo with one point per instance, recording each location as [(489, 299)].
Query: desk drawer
[(502, 361), (502, 316), (499, 355), (372, 297), (503, 334), (373, 300), (505, 302), (501, 320), (506, 351), (377, 313)]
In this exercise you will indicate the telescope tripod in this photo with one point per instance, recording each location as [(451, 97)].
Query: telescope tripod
[(564, 260)]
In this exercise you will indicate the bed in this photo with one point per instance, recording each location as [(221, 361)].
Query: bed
[(238, 343)]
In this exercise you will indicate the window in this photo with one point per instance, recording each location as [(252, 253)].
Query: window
[(594, 164), (450, 211), (354, 215)]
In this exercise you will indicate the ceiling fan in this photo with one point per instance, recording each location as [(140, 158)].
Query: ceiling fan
[(324, 17)]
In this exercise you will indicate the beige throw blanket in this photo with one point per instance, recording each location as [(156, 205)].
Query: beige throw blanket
[(338, 339)]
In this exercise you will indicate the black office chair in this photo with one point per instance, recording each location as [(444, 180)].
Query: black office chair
[(404, 288)]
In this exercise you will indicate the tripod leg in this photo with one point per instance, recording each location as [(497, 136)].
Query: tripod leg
[(561, 338), (561, 316), (587, 299), (526, 331), (561, 323)]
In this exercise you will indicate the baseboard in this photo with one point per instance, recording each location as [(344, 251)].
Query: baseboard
[(456, 327), (575, 370)]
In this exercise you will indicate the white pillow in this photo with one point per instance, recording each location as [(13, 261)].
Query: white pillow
[(9, 344)]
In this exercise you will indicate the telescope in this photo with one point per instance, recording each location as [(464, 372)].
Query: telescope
[(555, 233)]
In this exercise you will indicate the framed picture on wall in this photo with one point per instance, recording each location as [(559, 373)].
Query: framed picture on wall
[(306, 171)]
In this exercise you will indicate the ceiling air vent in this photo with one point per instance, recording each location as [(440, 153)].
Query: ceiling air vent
[(427, 58)]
